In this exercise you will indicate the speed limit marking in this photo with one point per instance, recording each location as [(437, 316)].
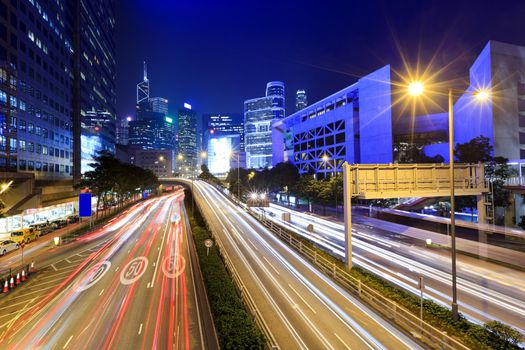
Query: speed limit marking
[(93, 276), (133, 270), (173, 265)]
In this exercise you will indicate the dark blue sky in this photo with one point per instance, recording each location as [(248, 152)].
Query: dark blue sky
[(215, 54)]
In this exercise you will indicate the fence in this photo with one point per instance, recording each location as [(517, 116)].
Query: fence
[(241, 287), (402, 317)]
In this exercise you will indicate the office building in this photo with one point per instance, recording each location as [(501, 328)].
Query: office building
[(94, 96), (143, 87), (158, 161), (57, 76), (123, 131), (258, 116), (152, 130), (352, 125), (159, 105), (187, 142), (300, 100)]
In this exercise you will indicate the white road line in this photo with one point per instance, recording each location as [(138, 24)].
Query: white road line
[(158, 256), (140, 329), (67, 260), (341, 340), (148, 285), (129, 250), (53, 266), (154, 263), (117, 268), (102, 291), (26, 294), (66, 344), (300, 297), (269, 263)]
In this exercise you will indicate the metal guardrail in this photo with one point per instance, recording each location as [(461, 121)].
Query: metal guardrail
[(271, 343), (515, 181), (397, 314)]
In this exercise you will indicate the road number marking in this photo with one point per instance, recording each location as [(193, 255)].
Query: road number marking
[(93, 276), (133, 270), (172, 269)]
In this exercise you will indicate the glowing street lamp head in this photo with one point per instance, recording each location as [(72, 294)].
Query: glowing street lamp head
[(253, 196), (415, 88), (482, 95), (180, 157), (262, 195), (325, 158), (161, 158), (204, 154)]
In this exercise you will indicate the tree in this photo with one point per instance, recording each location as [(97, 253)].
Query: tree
[(206, 175), (476, 150), (112, 177), (415, 154), (497, 170)]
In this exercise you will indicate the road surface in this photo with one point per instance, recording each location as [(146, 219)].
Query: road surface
[(303, 308), (133, 288), (486, 291)]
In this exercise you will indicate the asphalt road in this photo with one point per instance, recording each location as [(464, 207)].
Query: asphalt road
[(128, 285), (486, 291), (302, 308)]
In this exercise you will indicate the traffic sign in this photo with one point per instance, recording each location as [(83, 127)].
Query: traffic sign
[(208, 243)]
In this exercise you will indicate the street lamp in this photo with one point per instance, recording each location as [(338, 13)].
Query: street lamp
[(415, 89), (326, 159), (231, 154), (5, 186)]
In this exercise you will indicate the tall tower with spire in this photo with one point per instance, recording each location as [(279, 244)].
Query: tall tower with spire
[(143, 87)]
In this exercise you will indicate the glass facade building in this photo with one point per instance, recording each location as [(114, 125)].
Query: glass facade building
[(300, 100), (36, 51), (94, 100), (223, 124), (258, 116), (159, 105), (187, 145)]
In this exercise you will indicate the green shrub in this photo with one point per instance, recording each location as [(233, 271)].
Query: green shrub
[(236, 329)]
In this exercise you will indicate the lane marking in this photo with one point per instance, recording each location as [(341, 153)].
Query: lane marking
[(140, 329), (66, 259), (158, 256), (102, 291), (54, 268), (269, 263), (173, 265), (117, 268), (66, 344), (300, 297), (148, 285), (341, 340)]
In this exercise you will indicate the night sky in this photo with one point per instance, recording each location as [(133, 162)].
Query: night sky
[(215, 54)]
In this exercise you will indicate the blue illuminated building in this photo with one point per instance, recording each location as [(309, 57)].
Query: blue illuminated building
[(258, 116), (353, 125)]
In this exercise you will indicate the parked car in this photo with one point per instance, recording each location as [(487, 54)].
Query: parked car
[(59, 223), (72, 218), (25, 235), (42, 229), (7, 246)]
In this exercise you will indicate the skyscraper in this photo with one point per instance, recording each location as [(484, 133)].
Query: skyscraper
[(152, 127), (258, 116), (143, 87), (159, 105), (300, 100), (187, 146), (123, 131), (94, 96), (57, 84)]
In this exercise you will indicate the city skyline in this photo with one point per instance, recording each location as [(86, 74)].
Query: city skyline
[(450, 40)]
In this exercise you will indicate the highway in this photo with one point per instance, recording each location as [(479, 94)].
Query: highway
[(302, 308), (486, 291), (129, 285)]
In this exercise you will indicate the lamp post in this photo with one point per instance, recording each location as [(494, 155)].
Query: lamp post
[(326, 159), (416, 89)]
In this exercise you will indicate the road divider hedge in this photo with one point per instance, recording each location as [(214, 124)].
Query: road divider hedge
[(235, 327)]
